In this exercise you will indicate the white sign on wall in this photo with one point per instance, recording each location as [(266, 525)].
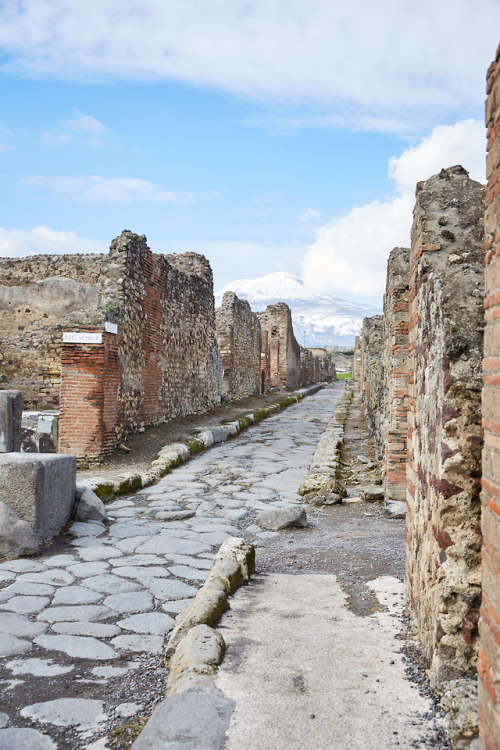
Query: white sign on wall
[(111, 327), (82, 337)]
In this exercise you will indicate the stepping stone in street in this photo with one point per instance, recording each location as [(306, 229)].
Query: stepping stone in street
[(82, 713), (77, 647)]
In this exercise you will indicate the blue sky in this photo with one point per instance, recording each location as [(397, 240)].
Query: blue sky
[(278, 135)]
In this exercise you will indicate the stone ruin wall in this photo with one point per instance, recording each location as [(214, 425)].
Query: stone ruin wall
[(39, 296), (444, 419), (427, 350), (396, 366), (283, 349), (240, 344), (162, 363), (372, 379), (489, 624)]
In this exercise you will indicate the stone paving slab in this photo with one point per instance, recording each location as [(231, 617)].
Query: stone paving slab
[(81, 620)]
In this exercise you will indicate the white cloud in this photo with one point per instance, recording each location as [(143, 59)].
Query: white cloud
[(447, 145), (3, 147), (41, 239), (383, 65), (94, 189), (309, 214), (349, 254), (49, 138), (87, 123)]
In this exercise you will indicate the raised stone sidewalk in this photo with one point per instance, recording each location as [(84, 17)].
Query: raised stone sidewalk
[(83, 626)]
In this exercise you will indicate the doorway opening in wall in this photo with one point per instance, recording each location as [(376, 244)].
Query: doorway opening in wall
[(262, 383)]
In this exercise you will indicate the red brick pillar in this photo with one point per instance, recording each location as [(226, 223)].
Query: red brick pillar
[(90, 419), (489, 626)]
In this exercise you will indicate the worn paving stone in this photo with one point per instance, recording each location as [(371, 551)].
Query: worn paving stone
[(139, 560), (77, 613), (37, 667), (167, 588), (111, 584), (10, 645), (191, 574), (135, 601), (22, 566), (94, 629), (16, 624), (25, 739), (60, 561), (87, 569), (152, 623), (80, 647), (99, 552), (52, 577), (76, 595), (86, 528), (25, 605), (152, 644), (30, 589), (68, 712)]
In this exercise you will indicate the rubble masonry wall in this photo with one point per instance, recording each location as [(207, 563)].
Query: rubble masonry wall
[(240, 342), (489, 624), (163, 361), (283, 349), (444, 419), (373, 386)]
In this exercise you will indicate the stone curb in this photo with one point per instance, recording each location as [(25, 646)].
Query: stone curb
[(195, 649), (325, 470), (176, 454)]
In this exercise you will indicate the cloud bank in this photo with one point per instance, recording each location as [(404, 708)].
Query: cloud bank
[(95, 189), (349, 254), (42, 239), (388, 65)]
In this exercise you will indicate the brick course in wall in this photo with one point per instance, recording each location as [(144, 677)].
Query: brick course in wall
[(240, 344), (489, 625), (444, 433)]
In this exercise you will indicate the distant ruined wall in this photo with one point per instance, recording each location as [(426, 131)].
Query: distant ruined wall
[(284, 351), (372, 379), (444, 419), (396, 350), (356, 366), (489, 624), (162, 362), (325, 363), (240, 343)]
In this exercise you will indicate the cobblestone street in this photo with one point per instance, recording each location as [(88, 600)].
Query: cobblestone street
[(82, 627)]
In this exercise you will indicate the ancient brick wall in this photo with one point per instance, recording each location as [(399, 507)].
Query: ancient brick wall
[(325, 365), (39, 296), (163, 361), (283, 349), (240, 343), (372, 379), (444, 419), (489, 626), (396, 349)]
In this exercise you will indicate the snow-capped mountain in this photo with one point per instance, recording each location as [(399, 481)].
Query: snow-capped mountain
[(318, 319)]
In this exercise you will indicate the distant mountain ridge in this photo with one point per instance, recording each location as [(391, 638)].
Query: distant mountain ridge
[(318, 319)]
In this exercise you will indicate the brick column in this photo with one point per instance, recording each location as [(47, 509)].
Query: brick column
[(396, 310), (489, 626), (89, 403)]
